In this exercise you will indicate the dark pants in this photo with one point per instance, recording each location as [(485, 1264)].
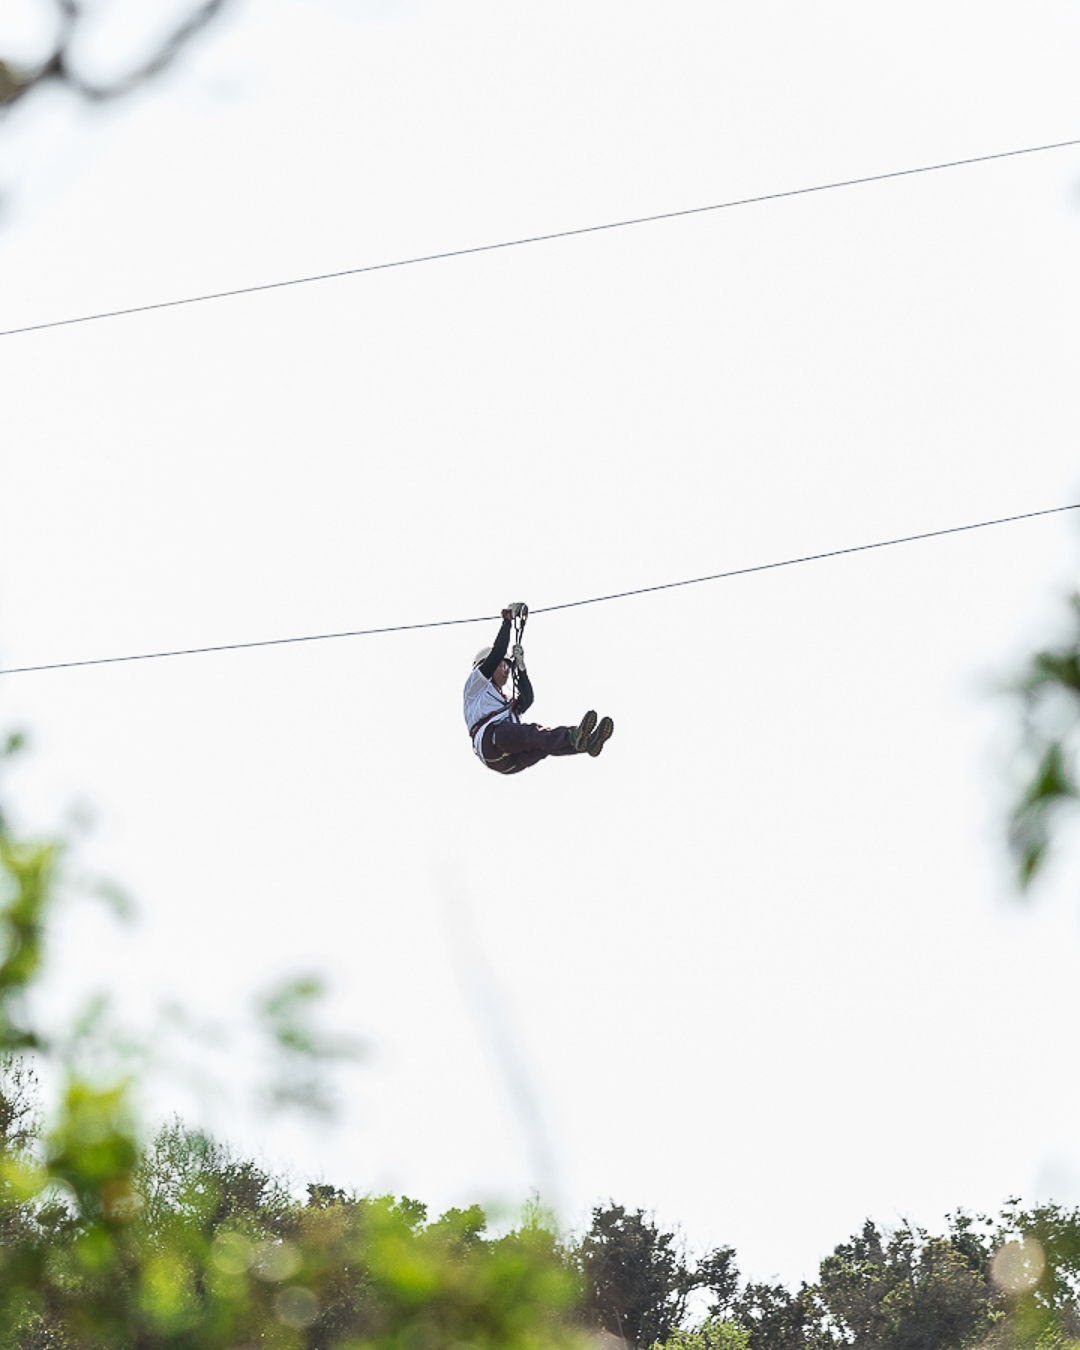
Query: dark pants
[(509, 747)]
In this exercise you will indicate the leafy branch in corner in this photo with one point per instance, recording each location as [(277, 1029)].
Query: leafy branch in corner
[(61, 68), (1050, 690)]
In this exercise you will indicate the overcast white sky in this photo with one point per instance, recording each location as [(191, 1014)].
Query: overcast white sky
[(759, 963)]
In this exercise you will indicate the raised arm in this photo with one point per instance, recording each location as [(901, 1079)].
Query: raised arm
[(498, 652), (524, 700)]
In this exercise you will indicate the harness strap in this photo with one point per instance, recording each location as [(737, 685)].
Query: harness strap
[(519, 633), (488, 717)]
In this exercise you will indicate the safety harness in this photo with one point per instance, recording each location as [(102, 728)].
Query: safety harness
[(517, 663)]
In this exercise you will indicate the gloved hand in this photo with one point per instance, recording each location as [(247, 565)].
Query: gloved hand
[(517, 655)]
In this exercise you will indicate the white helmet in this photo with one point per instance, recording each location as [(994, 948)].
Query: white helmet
[(481, 656)]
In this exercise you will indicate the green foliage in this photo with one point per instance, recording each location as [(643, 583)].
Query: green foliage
[(776, 1319), (111, 1243), (1050, 690), (637, 1281), (906, 1291), (715, 1334), (19, 1124), (1011, 1283), (218, 1256), (26, 877), (1036, 1268), (181, 1246), (300, 1048)]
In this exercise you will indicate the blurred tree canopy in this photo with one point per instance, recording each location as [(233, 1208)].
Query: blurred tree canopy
[(172, 1243), (60, 65)]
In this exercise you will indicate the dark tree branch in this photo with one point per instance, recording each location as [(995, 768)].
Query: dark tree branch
[(16, 84)]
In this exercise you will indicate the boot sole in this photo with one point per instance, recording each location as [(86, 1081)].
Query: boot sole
[(601, 735), (584, 730)]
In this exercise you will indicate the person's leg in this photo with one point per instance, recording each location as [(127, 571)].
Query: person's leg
[(525, 738), (506, 761), (525, 760), (516, 738), (509, 747)]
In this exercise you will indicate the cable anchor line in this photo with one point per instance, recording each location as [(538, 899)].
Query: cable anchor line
[(548, 609), (575, 232)]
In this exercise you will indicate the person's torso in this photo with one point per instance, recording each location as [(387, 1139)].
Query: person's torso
[(484, 704)]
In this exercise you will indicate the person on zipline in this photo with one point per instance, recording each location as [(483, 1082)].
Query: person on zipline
[(500, 738)]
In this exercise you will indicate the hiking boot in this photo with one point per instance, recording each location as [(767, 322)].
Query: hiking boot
[(599, 736), (579, 735)]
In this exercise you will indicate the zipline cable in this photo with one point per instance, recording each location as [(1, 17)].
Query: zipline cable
[(547, 609), (536, 239)]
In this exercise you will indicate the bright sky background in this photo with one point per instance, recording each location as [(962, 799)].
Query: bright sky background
[(759, 965)]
